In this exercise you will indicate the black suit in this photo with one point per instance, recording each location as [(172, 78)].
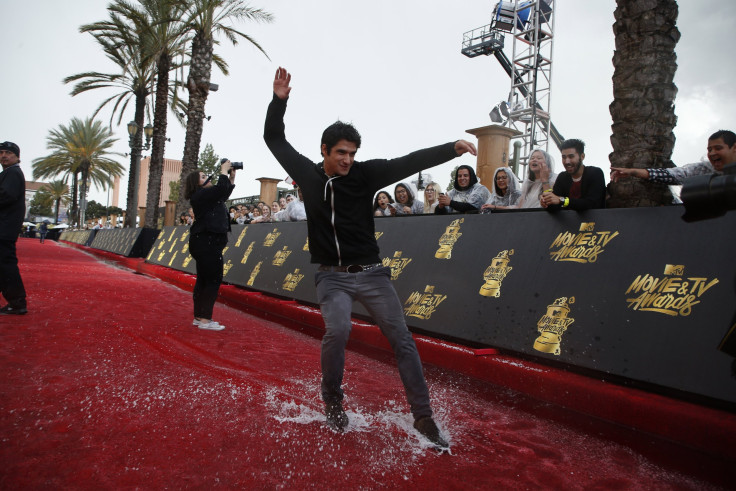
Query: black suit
[(12, 211)]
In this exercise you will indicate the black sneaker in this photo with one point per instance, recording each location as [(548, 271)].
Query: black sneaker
[(8, 310), (336, 417), (427, 427)]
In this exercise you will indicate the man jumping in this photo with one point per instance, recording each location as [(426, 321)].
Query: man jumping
[(338, 197)]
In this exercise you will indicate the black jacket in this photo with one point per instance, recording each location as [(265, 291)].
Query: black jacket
[(592, 190), (12, 202), (210, 213), (340, 209)]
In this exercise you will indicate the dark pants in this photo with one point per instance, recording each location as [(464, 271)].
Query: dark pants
[(336, 293), (11, 284), (206, 249)]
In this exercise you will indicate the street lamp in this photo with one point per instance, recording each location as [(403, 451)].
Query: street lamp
[(136, 149)]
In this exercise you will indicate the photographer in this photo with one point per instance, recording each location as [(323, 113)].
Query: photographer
[(209, 237)]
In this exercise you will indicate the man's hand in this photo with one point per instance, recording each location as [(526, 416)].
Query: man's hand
[(548, 198), (281, 83), (619, 172), (443, 200), (462, 146)]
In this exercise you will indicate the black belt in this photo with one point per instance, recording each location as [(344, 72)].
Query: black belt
[(352, 268)]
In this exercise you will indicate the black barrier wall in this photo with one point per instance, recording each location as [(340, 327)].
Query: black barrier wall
[(81, 237), (636, 293), (129, 242)]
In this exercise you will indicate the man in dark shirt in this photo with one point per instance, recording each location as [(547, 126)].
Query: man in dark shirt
[(338, 197), (579, 187), (12, 211)]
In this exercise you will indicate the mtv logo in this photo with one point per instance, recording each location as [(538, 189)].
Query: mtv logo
[(674, 269), (587, 226)]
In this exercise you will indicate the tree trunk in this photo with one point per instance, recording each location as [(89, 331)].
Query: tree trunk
[(643, 109), (73, 211), (198, 84), (131, 210), (83, 192), (155, 172)]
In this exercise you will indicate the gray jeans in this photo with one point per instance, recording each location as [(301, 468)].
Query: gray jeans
[(336, 292)]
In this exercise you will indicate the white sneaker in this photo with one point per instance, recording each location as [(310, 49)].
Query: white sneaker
[(211, 326)]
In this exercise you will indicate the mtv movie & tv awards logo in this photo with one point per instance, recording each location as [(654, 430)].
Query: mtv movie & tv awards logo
[(397, 264), (423, 304), (673, 294), (582, 247)]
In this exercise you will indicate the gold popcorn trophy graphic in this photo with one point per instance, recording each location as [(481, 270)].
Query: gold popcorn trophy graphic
[(240, 237), (280, 257), (271, 238), (495, 273), (553, 325), (247, 252), (292, 280), (254, 273), (226, 267), (448, 239)]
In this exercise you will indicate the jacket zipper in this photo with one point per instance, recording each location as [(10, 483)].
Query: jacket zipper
[(332, 216)]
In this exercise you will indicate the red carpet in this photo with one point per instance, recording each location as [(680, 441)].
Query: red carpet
[(107, 385)]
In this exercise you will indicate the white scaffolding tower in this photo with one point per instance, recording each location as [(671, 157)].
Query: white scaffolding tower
[(533, 39), (531, 23)]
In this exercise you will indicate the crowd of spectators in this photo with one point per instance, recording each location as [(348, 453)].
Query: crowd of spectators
[(289, 208), (577, 187)]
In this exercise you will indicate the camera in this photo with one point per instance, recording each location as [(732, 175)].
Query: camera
[(709, 196), (235, 165)]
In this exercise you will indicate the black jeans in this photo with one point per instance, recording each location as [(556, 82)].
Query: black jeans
[(206, 249), (11, 284), (336, 293)]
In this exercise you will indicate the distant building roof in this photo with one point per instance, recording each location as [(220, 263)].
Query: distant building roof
[(34, 185)]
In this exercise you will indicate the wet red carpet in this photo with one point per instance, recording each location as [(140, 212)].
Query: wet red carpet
[(107, 385)]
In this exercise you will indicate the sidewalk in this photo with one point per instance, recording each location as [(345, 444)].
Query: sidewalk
[(107, 385)]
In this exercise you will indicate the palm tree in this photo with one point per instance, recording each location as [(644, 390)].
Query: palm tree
[(82, 149), (643, 108), (163, 39), (122, 45), (46, 168), (206, 19), (56, 193)]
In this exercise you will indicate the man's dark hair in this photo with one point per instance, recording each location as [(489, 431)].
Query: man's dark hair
[(339, 131), (191, 184), (578, 145), (728, 137), (473, 178)]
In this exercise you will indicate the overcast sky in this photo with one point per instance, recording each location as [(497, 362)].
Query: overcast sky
[(391, 67)]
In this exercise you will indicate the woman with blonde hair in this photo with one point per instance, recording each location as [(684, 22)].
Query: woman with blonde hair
[(431, 197), (541, 177)]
